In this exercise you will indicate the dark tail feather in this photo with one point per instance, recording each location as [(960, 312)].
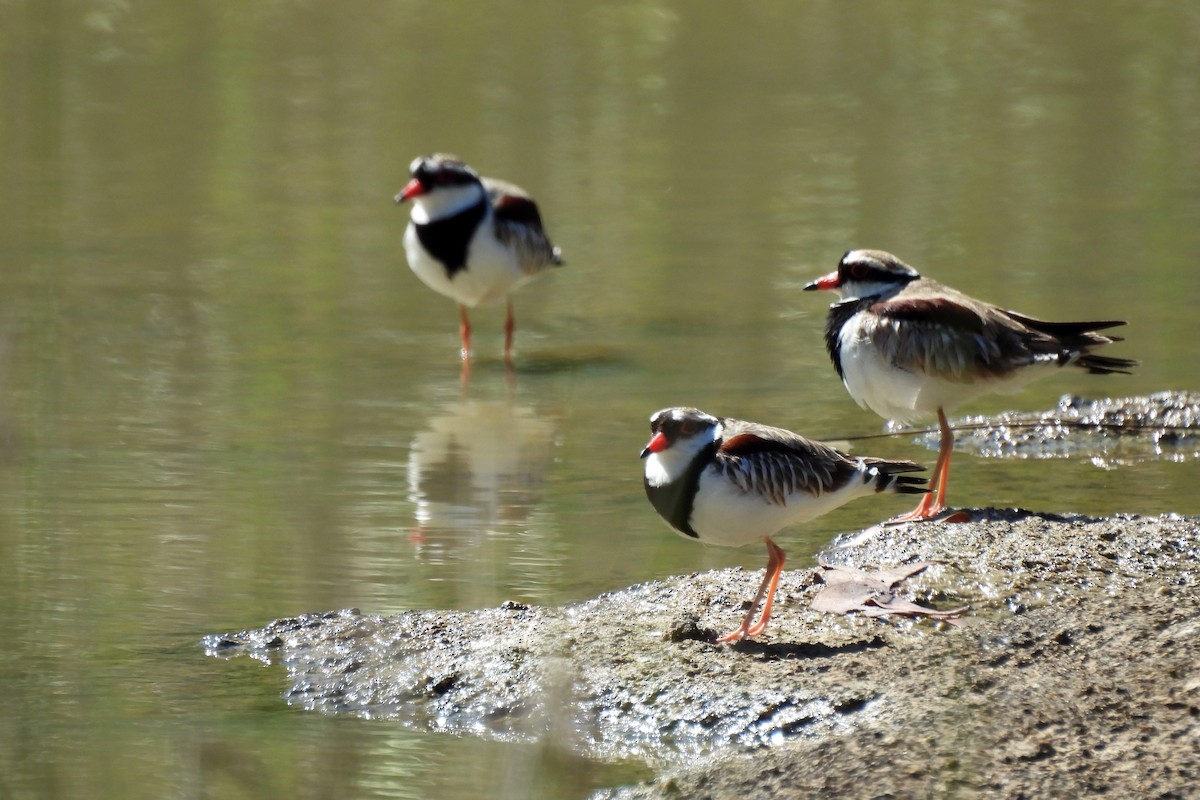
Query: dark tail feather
[(905, 484), (1059, 329), (1074, 337), (892, 477), (1071, 337), (1104, 365)]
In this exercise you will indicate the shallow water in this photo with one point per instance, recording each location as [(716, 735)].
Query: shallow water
[(226, 399)]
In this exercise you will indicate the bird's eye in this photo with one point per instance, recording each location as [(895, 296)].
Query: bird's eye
[(858, 270), (688, 427)]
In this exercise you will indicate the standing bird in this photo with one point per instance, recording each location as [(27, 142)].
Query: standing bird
[(472, 239), (908, 347), (728, 482)]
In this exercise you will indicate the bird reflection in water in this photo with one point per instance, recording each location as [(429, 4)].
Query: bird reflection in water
[(476, 470)]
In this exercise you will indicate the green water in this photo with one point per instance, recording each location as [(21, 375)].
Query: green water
[(224, 398)]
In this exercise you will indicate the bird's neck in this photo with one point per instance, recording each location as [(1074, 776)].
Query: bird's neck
[(840, 313), (869, 291)]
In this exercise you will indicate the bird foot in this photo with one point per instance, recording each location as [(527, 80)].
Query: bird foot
[(932, 515)]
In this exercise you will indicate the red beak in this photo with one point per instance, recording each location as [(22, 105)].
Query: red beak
[(829, 281), (410, 190), (657, 444)]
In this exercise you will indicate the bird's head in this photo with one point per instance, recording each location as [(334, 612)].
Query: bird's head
[(677, 436), (866, 273), (440, 184)]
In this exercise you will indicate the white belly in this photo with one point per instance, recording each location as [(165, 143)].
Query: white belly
[(491, 272), (724, 515), (908, 396), (889, 391)]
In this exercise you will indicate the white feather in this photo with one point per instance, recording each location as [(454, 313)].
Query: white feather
[(905, 396), (445, 201), (725, 515), (492, 267), (668, 465)]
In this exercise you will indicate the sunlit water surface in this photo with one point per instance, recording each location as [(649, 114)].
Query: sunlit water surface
[(226, 399)]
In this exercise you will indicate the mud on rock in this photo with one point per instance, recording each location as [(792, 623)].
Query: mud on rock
[(1075, 670)]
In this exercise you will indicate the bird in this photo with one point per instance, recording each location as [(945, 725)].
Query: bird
[(472, 239), (730, 482), (908, 347)]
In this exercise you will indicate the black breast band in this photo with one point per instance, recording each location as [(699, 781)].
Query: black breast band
[(675, 500), (447, 239)]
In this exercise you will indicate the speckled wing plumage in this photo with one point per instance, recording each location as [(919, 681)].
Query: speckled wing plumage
[(933, 329), (775, 463), (518, 224)]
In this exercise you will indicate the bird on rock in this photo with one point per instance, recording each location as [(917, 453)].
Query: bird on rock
[(729, 482), (908, 348)]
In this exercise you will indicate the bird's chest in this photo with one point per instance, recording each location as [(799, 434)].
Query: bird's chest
[(672, 490), (872, 376), (448, 239), (672, 499), (461, 258)]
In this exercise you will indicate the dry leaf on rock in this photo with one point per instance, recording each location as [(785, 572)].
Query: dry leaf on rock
[(870, 593)]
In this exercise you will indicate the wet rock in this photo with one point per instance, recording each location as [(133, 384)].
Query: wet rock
[(1109, 431), (1074, 672)]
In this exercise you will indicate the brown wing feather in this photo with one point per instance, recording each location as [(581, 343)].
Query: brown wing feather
[(956, 337), (953, 339), (776, 463), (518, 208), (519, 223)]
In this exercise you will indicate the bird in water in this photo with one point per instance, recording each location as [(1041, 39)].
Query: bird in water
[(473, 239)]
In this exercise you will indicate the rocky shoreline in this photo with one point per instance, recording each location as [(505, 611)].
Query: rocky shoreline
[(1075, 671)]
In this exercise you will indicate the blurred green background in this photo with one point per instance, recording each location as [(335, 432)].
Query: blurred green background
[(224, 398)]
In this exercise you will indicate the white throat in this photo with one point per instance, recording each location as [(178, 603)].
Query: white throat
[(668, 466), (855, 290), (445, 201)]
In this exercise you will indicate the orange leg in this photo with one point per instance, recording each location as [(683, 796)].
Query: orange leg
[(947, 447), (778, 555), (934, 502), (464, 375), (464, 333), (770, 581), (509, 326)]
